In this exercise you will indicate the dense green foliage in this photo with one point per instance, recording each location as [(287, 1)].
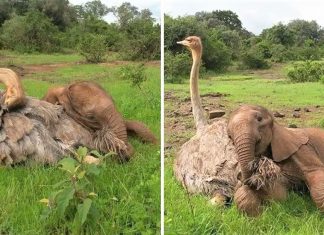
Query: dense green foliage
[(93, 48), (176, 66), (309, 71), (226, 42), (29, 33), (57, 25)]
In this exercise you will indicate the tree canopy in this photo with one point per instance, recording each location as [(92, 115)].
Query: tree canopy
[(52, 25)]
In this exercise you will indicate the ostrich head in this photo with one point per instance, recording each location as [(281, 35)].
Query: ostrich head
[(14, 95), (193, 43)]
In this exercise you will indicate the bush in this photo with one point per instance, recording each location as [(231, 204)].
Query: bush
[(176, 67), (322, 79), (135, 73), (93, 48), (309, 71), (253, 59), (216, 56), (33, 32), (279, 53)]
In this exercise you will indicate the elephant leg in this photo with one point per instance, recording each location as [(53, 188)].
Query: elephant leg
[(315, 182), (313, 170), (248, 201)]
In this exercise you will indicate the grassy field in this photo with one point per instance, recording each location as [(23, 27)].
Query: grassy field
[(128, 194), (194, 214)]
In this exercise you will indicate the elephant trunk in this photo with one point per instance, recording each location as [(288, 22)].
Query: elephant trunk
[(245, 148), (115, 121)]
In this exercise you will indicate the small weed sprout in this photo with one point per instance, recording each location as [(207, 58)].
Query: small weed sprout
[(134, 73), (73, 198)]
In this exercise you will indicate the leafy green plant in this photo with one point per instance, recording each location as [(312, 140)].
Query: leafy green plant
[(176, 67), (33, 32), (308, 71), (253, 58), (93, 48), (73, 198), (134, 73), (322, 79)]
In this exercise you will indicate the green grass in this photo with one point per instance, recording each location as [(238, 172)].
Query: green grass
[(128, 194), (298, 215), (11, 57)]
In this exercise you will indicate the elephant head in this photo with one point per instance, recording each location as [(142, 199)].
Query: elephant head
[(255, 132)]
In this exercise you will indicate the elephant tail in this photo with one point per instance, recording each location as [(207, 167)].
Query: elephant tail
[(141, 130)]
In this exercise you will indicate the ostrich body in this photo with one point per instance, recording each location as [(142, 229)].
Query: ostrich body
[(207, 163), (32, 129)]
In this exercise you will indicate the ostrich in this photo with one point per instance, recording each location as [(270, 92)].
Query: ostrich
[(33, 129), (207, 163)]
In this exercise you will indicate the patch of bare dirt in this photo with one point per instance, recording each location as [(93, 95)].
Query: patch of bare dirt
[(275, 72), (30, 69), (178, 119), (155, 63), (179, 125)]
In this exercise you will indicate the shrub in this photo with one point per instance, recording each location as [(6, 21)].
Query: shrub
[(279, 53), (216, 56), (253, 59), (33, 32), (93, 48), (309, 71), (134, 73), (176, 67), (322, 79)]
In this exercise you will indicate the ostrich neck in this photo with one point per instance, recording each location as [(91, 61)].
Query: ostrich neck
[(197, 109), (10, 79)]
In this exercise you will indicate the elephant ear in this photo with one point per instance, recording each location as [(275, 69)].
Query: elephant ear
[(285, 142)]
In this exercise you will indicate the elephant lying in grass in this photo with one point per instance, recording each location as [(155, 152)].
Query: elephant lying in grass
[(298, 152), (92, 107), (38, 130)]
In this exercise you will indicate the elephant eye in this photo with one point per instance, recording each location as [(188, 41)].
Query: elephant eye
[(259, 118)]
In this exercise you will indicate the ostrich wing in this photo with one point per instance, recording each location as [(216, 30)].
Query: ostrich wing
[(16, 126), (207, 163)]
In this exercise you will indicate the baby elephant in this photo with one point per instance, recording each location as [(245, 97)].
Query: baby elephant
[(298, 152)]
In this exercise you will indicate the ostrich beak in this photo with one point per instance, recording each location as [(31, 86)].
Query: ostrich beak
[(184, 43)]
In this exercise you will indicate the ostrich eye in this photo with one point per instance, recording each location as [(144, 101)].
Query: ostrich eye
[(259, 118)]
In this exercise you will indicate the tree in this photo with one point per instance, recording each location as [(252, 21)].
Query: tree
[(96, 9), (125, 13), (305, 30), (279, 34), (220, 17), (60, 12), (5, 11), (29, 33)]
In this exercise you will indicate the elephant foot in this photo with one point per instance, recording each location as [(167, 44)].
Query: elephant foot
[(218, 199), (278, 192), (315, 181), (248, 201)]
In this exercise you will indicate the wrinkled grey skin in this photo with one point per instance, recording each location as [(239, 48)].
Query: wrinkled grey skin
[(43, 132)]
